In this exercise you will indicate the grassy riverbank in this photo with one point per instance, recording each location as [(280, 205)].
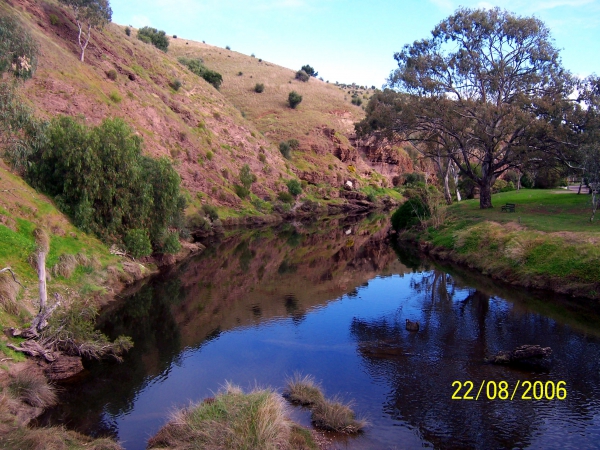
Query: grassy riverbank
[(548, 242)]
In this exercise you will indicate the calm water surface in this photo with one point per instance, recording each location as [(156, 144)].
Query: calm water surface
[(330, 300)]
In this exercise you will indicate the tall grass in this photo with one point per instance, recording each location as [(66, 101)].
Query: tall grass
[(32, 388)]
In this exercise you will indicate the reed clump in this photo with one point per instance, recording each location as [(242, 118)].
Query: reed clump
[(328, 415), (31, 387)]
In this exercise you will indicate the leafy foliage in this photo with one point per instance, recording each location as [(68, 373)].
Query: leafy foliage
[(285, 197), (158, 38), (18, 50), (246, 176), (294, 99), (285, 149), (309, 70), (409, 214), (98, 176), (137, 242), (197, 66), (259, 88), (294, 187)]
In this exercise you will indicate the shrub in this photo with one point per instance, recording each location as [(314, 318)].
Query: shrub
[(285, 150), (294, 144), (210, 211), (137, 242), (246, 176), (209, 155), (175, 85), (171, 244), (285, 197), (294, 99), (158, 38), (54, 20), (301, 75), (309, 71), (18, 49), (294, 187), (227, 47), (414, 178), (112, 75), (128, 31), (240, 73), (259, 88), (197, 66), (262, 157), (98, 176), (174, 36), (356, 100), (409, 214), (499, 185), (115, 97), (241, 191)]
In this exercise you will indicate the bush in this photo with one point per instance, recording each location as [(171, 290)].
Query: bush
[(137, 243), (309, 71), (112, 75), (197, 66), (174, 36), (526, 181), (294, 99), (18, 49), (414, 178), (301, 75), (241, 191), (128, 31), (158, 38), (210, 211), (98, 177), (259, 88), (246, 176), (175, 85), (227, 47), (409, 214), (54, 20), (262, 157), (209, 155), (294, 144), (31, 387), (171, 244), (294, 187), (285, 150), (115, 97), (356, 100), (285, 197)]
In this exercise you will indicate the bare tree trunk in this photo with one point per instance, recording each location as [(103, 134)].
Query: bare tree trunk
[(580, 185), (455, 174), (84, 45), (41, 263)]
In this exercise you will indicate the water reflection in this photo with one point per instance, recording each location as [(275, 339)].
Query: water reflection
[(312, 297)]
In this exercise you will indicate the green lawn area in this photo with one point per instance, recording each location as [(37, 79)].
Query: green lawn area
[(538, 209)]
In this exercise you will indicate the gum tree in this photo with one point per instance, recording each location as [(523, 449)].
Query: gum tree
[(472, 92), (88, 14)]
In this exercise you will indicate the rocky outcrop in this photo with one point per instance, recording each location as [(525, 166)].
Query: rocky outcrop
[(63, 367)]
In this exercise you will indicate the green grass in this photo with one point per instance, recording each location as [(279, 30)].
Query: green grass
[(538, 209)]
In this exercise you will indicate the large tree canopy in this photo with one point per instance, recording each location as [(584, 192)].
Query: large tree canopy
[(473, 92), (90, 14)]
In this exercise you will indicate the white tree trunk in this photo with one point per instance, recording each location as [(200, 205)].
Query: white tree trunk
[(41, 263)]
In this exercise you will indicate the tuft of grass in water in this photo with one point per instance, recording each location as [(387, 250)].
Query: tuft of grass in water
[(231, 420), (329, 415), (303, 390), (32, 388)]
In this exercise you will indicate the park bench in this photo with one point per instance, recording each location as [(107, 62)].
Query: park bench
[(509, 207)]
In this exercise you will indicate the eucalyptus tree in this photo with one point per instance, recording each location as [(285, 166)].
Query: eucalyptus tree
[(88, 14), (473, 92)]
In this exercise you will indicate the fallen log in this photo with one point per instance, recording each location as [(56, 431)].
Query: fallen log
[(35, 348)]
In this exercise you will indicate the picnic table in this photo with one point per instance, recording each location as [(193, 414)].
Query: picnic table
[(509, 207)]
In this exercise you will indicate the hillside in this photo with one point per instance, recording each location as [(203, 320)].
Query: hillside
[(208, 134)]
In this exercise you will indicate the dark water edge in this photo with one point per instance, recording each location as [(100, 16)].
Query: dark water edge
[(330, 299)]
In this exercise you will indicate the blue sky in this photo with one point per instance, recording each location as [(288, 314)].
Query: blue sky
[(350, 40)]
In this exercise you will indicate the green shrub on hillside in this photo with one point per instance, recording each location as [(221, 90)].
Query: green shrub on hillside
[(285, 150), (294, 144), (285, 197), (158, 38), (137, 243), (259, 88), (294, 99), (294, 187), (210, 211), (309, 70), (98, 176), (171, 244), (409, 214), (197, 66), (128, 31)]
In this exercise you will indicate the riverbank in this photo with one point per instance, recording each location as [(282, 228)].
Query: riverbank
[(547, 243)]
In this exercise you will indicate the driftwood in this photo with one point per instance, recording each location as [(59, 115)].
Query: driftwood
[(35, 348), (525, 355), (8, 269)]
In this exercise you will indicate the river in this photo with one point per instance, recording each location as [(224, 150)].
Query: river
[(330, 299)]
